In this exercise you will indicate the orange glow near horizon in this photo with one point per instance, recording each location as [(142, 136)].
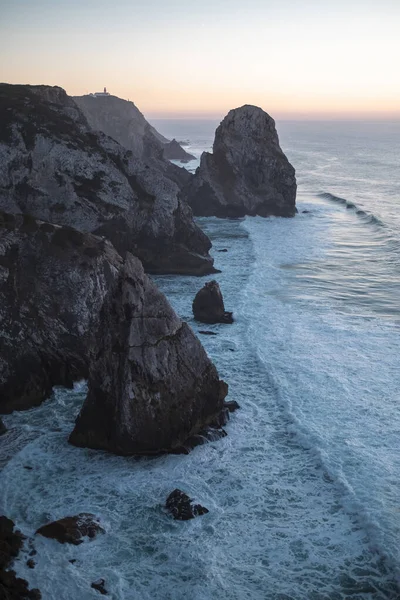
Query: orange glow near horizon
[(295, 59)]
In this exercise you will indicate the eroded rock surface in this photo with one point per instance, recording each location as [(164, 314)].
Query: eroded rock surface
[(247, 172), (208, 305), (72, 530), (181, 506), (174, 151), (152, 385), (55, 167), (11, 586), (53, 281)]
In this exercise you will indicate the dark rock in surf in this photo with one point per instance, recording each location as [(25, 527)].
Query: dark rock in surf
[(30, 563), (182, 508), (72, 530), (223, 250), (11, 586), (207, 332), (56, 168), (173, 151), (100, 586), (208, 305), (151, 384), (231, 405), (247, 172)]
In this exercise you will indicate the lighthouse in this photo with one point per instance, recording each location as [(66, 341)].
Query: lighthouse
[(98, 94)]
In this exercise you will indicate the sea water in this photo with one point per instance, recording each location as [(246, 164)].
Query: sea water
[(304, 492)]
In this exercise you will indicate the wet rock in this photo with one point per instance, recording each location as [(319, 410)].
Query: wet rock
[(151, 385), (99, 585), (72, 561), (223, 250), (58, 169), (11, 586), (30, 563), (208, 305), (72, 530), (207, 332), (231, 405), (247, 172), (182, 508)]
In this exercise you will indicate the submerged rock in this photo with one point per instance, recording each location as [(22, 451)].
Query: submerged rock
[(54, 167), (208, 305), (247, 172), (72, 530), (11, 586), (151, 385), (53, 281), (182, 508), (100, 586)]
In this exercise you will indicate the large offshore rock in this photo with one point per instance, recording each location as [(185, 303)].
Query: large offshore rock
[(247, 172), (53, 281), (54, 167), (72, 530), (123, 121), (151, 385), (208, 305)]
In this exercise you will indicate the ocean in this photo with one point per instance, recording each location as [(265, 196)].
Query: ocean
[(303, 494)]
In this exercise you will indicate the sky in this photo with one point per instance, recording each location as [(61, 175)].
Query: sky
[(295, 58)]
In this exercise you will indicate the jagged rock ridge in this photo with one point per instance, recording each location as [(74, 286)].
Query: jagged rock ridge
[(151, 385), (54, 167), (247, 172)]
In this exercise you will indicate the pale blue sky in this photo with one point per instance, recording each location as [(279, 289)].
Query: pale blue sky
[(293, 57)]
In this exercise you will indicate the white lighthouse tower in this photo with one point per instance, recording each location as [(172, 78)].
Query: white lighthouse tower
[(99, 94)]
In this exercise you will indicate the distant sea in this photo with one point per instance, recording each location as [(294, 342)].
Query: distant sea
[(304, 493)]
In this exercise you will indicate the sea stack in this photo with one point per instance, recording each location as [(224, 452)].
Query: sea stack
[(247, 173), (151, 384)]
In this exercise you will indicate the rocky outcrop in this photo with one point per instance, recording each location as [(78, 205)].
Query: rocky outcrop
[(174, 151), (54, 167), (208, 305), (72, 530), (151, 385), (11, 586), (100, 586), (53, 281), (123, 121), (247, 172), (182, 508)]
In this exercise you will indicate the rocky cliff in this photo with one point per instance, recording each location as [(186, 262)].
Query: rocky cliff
[(247, 172), (54, 167), (53, 281), (151, 385), (123, 121)]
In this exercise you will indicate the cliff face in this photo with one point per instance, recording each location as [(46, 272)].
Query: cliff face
[(123, 121), (54, 167), (53, 281), (151, 385), (247, 173)]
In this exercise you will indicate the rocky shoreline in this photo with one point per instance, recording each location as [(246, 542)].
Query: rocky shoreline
[(88, 205)]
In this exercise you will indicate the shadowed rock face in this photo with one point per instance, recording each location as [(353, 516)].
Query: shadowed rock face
[(53, 281), (54, 167), (247, 173), (123, 121), (208, 305), (72, 530), (151, 385)]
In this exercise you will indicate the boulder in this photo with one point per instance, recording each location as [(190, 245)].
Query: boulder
[(72, 530), (11, 586), (182, 508), (53, 281), (100, 586), (208, 305), (231, 405), (56, 168), (151, 384), (174, 151), (247, 173)]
